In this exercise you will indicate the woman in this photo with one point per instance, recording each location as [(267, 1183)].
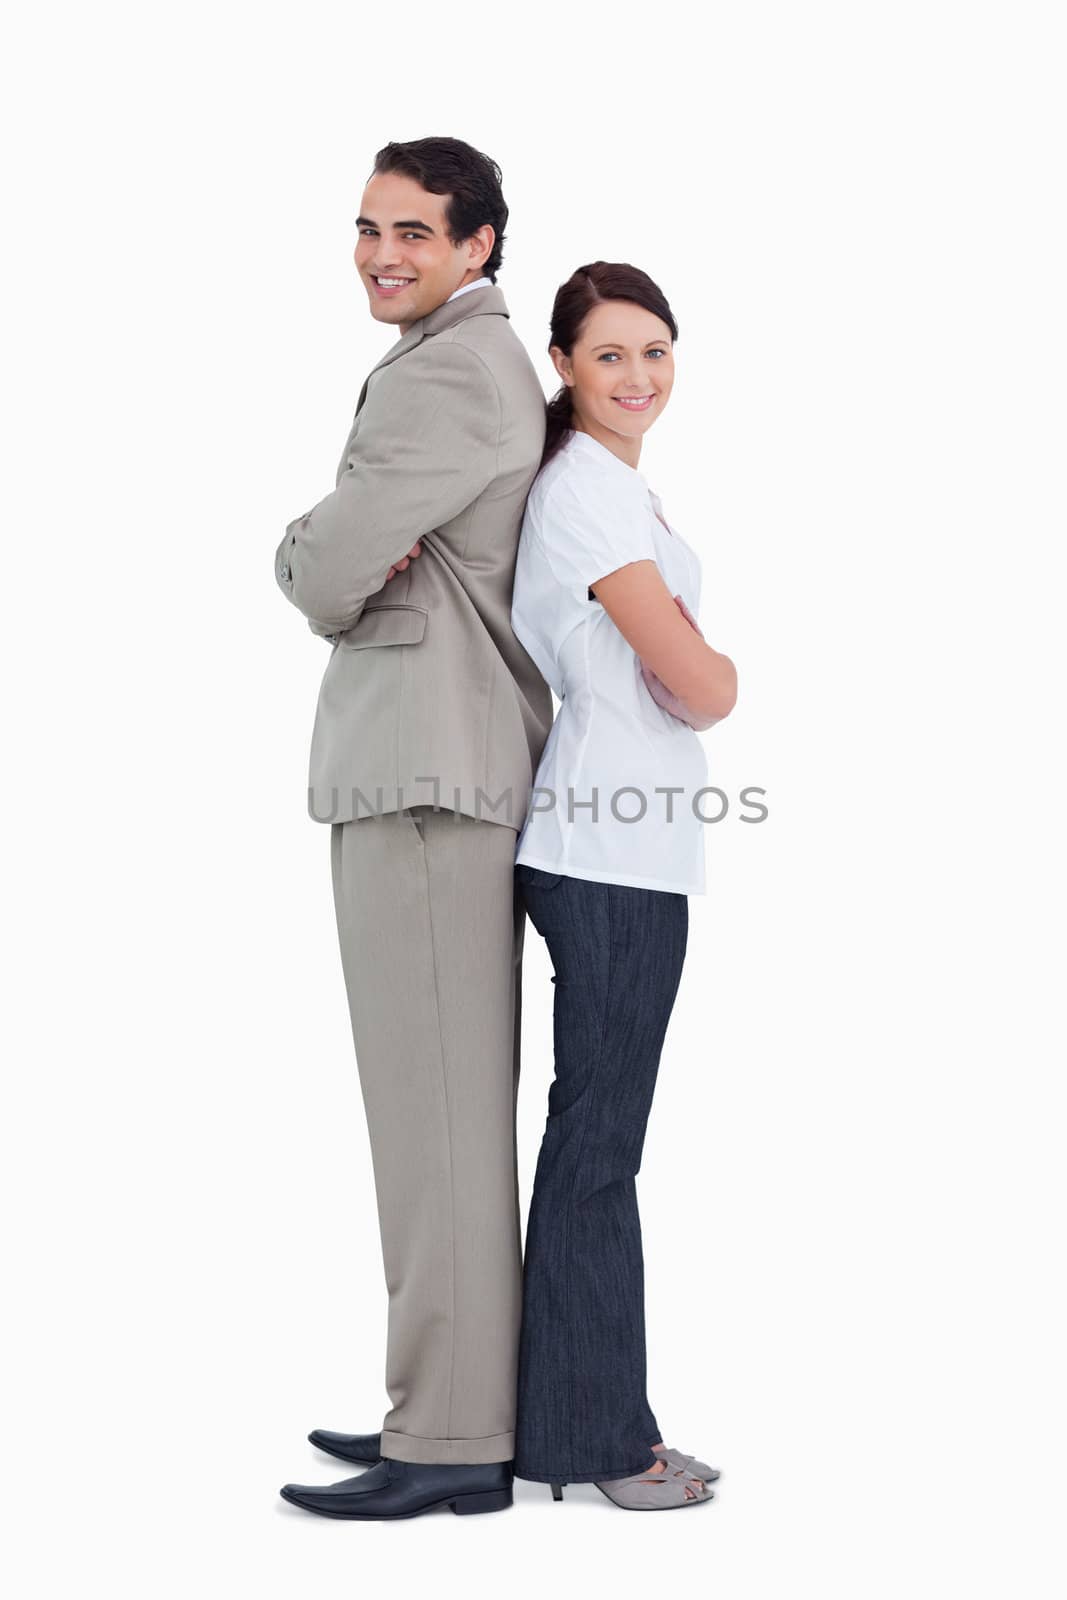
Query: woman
[(605, 602)]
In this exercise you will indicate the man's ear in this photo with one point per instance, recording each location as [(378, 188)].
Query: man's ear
[(486, 239)]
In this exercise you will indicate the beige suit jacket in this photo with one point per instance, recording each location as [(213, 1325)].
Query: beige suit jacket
[(428, 696)]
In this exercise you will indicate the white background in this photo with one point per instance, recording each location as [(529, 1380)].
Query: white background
[(852, 1180)]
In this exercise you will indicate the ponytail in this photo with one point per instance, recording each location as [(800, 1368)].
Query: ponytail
[(559, 421)]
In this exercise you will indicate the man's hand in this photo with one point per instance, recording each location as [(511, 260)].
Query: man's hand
[(416, 550)]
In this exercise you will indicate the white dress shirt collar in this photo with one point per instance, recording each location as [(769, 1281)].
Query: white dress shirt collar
[(477, 284)]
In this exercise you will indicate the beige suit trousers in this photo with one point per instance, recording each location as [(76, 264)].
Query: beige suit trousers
[(431, 929)]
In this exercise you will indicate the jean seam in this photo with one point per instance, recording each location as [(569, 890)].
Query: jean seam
[(574, 1181)]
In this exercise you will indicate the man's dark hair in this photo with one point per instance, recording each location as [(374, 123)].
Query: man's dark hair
[(452, 167)]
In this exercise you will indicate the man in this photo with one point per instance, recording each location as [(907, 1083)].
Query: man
[(430, 724)]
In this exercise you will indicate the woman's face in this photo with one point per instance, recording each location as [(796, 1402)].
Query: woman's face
[(621, 370)]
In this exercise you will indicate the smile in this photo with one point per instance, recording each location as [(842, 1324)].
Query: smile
[(390, 285), (634, 403)]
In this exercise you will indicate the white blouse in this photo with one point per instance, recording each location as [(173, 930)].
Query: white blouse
[(587, 514)]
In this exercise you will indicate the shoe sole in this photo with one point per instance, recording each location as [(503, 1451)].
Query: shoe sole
[(679, 1505), (464, 1505)]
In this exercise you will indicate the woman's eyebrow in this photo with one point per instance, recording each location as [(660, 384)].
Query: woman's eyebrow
[(623, 347)]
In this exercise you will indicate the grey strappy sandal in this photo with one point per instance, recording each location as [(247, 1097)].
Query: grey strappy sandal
[(657, 1491)]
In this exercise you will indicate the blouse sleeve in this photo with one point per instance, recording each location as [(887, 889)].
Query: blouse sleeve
[(588, 531)]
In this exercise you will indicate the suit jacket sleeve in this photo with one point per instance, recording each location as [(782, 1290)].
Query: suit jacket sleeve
[(425, 448)]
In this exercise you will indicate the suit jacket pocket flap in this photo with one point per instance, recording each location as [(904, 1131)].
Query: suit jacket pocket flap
[(391, 624)]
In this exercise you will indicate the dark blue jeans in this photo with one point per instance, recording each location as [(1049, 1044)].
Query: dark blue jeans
[(617, 954)]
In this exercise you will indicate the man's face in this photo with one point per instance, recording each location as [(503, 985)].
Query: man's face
[(402, 236)]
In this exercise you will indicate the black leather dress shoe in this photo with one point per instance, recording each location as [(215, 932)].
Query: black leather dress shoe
[(407, 1488), (363, 1448)]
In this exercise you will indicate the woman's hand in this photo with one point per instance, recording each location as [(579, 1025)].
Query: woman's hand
[(688, 615), (645, 612), (665, 697), (670, 702)]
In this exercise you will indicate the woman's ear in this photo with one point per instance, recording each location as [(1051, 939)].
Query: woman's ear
[(562, 364)]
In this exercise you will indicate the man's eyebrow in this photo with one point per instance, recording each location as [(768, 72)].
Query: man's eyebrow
[(414, 223), (623, 347)]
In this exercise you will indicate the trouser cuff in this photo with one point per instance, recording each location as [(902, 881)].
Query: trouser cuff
[(443, 1452)]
